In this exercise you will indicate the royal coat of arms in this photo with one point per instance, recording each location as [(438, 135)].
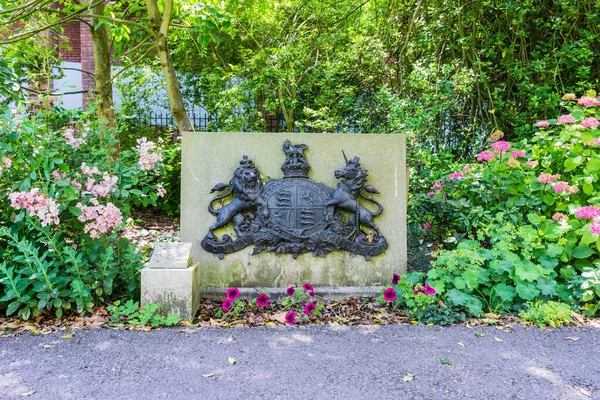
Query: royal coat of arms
[(294, 214)]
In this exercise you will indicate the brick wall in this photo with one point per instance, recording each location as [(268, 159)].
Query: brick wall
[(72, 30)]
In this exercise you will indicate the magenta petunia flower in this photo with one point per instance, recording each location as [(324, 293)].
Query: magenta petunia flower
[(590, 122), (428, 289), (290, 291), (233, 293), (542, 124), (309, 288), (485, 156), (588, 212), (262, 300), (565, 119), (455, 175), (389, 294), (395, 279), (309, 308), (290, 317), (501, 146), (226, 306), (517, 154)]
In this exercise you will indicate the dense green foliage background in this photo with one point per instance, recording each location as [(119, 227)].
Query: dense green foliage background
[(447, 72)]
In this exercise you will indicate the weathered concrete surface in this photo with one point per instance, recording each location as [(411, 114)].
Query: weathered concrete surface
[(317, 362), (176, 291), (211, 158)]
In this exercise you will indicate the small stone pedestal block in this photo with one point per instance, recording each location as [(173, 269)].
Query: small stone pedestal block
[(175, 290)]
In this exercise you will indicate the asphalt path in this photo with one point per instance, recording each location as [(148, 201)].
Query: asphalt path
[(314, 362)]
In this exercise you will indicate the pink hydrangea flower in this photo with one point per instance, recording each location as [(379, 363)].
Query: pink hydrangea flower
[(74, 140), (149, 154), (595, 227), (546, 178), (389, 294), (100, 219), (517, 154), (531, 164), (573, 189), (437, 186), (565, 119), (309, 308), (497, 135), (560, 186), (588, 212), (38, 204), (431, 194), (588, 101), (542, 124), (569, 96), (559, 217), (501, 146), (456, 176), (467, 169), (160, 190), (485, 156), (590, 122)]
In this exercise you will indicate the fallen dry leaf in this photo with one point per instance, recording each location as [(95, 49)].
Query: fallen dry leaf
[(586, 392), (279, 317), (573, 338), (497, 339), (48, 346), (230, 339), (460, 344), (69, 336), (28, 393), (232, 361), (208, 375), (408, 377)]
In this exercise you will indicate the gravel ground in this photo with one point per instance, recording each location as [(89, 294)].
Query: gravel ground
[(313, 362)]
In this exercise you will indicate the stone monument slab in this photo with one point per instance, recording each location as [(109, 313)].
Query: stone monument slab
[(171, 256)]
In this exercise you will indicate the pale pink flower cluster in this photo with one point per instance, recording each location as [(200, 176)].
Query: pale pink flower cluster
[(6, 163), (431, 194), (531, 164), (560, 186), (37, 204), (501, 146), (467, 169), (517, 154), (588, 101), (485, 156), (569, 96), (150, 154), (595, 227), (104, 188), (546, 178), (559, 217), (590, 122), (100, 219), (437, 186), (565, 119), (497, 135), (59, 175), (588, 212), (596, 142), (89, 171), (160, 190), (542, 124), (75, 141), (455, 176), (513, 163)]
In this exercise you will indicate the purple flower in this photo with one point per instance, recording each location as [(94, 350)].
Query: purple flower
[(233, 293), (395, 279), (309, 308), (309, 288), (428, 289), (290, 318), (290, 291), (226, 306), (389, 294), (262, 300), (588, 212)]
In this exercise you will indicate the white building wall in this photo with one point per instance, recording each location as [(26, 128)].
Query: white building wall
[(70, 82)]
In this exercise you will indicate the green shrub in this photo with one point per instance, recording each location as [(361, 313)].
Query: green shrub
[(63, 198), (550, 313), (130, 312)]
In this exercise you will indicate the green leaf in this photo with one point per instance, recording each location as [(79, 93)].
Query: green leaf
[(534, 219), (505, 292), (554, 250), (456, 297), (582, 252), (547, 287), (548, 262), (527, 291), (528, 271), (76, 211)]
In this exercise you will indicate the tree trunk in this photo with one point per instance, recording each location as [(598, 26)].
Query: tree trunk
[(160, 26), (102, 68)]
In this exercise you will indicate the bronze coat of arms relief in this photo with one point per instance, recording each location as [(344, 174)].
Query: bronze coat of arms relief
[(296, 215)]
